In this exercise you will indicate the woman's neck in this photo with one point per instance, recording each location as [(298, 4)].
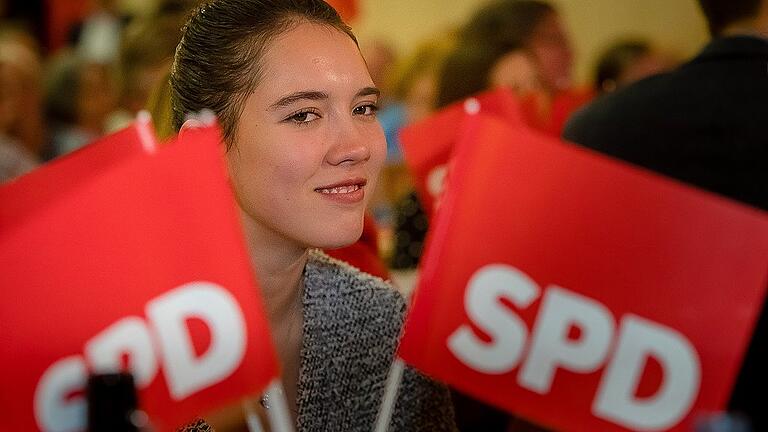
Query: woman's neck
[(279, 266)]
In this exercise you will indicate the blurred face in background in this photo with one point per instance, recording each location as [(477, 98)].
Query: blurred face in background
[(97, 96), (420, 98), (21, 93), (10, 95), (380, 57), (516, 71), (551, 49)]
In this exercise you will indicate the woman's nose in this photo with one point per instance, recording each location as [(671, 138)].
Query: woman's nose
[(351, 144)]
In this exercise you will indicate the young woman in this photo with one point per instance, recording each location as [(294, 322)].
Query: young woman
[(304, 149)]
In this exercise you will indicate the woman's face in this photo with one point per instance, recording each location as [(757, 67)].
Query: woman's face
[(516, 71), (551, 49), (308, 147)]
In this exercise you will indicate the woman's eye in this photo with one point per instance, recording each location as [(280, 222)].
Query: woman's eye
[(303, 117), (366, 110)]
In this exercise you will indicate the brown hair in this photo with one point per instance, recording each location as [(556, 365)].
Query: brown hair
[(509, 24), (218, 61), (722, 13)]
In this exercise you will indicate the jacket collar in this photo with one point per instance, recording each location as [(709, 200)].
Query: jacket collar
[(740, 46)]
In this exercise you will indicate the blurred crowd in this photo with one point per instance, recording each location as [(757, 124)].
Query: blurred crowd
[(59, 95)]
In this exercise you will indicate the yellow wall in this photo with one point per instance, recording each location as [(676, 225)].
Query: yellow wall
[(674, 25)]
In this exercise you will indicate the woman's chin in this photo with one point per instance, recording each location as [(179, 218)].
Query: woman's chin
[(340, 239)]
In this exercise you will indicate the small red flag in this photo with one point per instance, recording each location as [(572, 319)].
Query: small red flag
[(583, 293), (123, 251)]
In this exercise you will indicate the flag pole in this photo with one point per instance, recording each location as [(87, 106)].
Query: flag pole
[(390, 395), (277, 410), (146, 134), (251, 418)]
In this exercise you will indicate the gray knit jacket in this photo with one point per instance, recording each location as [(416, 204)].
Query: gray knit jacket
[(352, 324)]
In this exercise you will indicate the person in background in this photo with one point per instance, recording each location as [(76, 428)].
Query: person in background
[(80, 96), (145, 56), (380, 57), (415, 86), (703, 123), (19, 96), (536, 27), (472, 68), (626, 62), (304, 149), (99, 34), (160, 109), (22, 119), (468, 66)]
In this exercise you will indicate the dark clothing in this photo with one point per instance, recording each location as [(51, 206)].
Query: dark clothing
[(411, 224), (706, 124)]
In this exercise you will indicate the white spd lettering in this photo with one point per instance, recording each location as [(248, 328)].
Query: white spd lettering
[(550, 348), (185, 372)]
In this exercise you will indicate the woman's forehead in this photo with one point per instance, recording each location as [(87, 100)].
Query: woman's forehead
[(313, 53)]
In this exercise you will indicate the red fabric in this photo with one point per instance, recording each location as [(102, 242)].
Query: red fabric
[(429, 144), (62, 14), (91, 243), (364, 254), (560, 109), (635, 246)]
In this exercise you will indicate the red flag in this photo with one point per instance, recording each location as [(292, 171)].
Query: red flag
[(580, 292), (428, 145), (116, 252)]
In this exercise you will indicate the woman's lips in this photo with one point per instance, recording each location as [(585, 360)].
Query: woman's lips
[(346, 192)]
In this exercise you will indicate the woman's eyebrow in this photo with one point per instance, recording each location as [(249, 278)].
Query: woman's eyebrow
[(367, 91), (297, 96)]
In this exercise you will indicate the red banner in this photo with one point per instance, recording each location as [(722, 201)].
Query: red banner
[(428, 145), (124, 254), (580, 292)]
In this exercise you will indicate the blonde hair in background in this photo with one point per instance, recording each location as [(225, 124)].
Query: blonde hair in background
[(159, 106), (427, 58)]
